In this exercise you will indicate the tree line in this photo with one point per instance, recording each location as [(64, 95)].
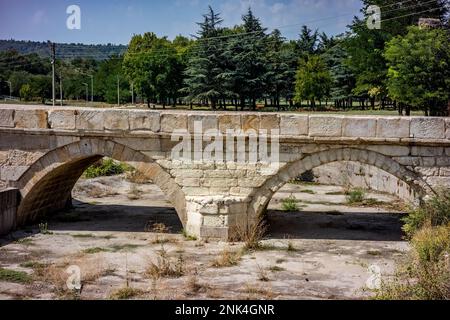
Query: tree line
[(400, 66)]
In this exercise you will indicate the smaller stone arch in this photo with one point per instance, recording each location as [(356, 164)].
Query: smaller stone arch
[(46, 186), (262, 196)]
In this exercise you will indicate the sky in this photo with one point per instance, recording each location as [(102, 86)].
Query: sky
[(114, 21)]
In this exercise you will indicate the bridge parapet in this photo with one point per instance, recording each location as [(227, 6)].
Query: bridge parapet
[(44, 149), (290, 125)]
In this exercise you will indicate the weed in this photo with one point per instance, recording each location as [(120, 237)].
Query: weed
[(43, 228), (356, 195), (9, 275), (276, 269), (308, 191), (187, 236), (95, 250), (227, 258), (126, 293), (290, 204), (166, 267), (105, 167)]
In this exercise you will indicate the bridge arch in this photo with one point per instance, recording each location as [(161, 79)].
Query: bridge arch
[(261, 197), (47, 185)]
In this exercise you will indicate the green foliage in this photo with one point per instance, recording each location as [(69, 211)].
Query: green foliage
[(313, 80), (25, 92), (425, 275), (434, 212), (431, 243), (290, 204), (356, 195), (104, 168), (14, 276), (419, 69)]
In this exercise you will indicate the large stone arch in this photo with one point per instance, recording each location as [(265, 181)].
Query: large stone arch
[(46, 186), (261, 197)]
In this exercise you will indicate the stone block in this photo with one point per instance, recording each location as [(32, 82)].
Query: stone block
[(393, 127), (325, 126), (171, 122), (144, 120), (116, 120), (428, 128), (90, 120), (250, 122), (30, 119), (7, 118), (269, 121), (294, 125), (359, 127), (208, 122), (62, 119), (232, 122)]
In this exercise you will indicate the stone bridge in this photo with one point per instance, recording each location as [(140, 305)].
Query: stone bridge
[(44, 150)]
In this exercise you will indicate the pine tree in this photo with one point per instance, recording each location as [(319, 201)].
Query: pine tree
[(205, 66)]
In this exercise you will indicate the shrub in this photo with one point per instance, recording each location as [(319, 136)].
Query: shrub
[(104, 168), (126, 293), (290, 204), (431, 243), (434, 212), (425, 275), (356, 195)]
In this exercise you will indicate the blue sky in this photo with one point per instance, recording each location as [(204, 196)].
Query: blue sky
[(114, 21)]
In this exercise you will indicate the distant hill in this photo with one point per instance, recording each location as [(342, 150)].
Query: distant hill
[(64, 50)]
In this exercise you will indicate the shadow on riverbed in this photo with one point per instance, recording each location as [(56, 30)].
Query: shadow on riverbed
[(294, 225), (335, 225)]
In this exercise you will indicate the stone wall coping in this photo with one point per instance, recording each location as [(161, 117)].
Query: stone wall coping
[(293, 126)]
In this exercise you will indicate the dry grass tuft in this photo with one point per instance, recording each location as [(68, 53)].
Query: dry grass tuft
[(227, 258), (165, 267)]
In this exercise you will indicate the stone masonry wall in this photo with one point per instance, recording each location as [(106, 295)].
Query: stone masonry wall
[(214, 196)]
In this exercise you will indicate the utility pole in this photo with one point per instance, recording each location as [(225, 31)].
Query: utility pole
[(60, 88), (10, 89), (118, 91), (92, 87), (87, 93), (53, 54), (132, 94)]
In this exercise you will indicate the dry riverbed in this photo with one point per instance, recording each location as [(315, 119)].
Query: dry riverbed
[(128, 243)]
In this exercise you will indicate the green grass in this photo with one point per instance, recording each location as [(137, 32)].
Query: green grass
[(276, 269), (32, 265), (308, 191), (124, 247), (290, 204), (25, 241), (95, 250), (356, 195), (9, 275), (104, 168), (187, 236)]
